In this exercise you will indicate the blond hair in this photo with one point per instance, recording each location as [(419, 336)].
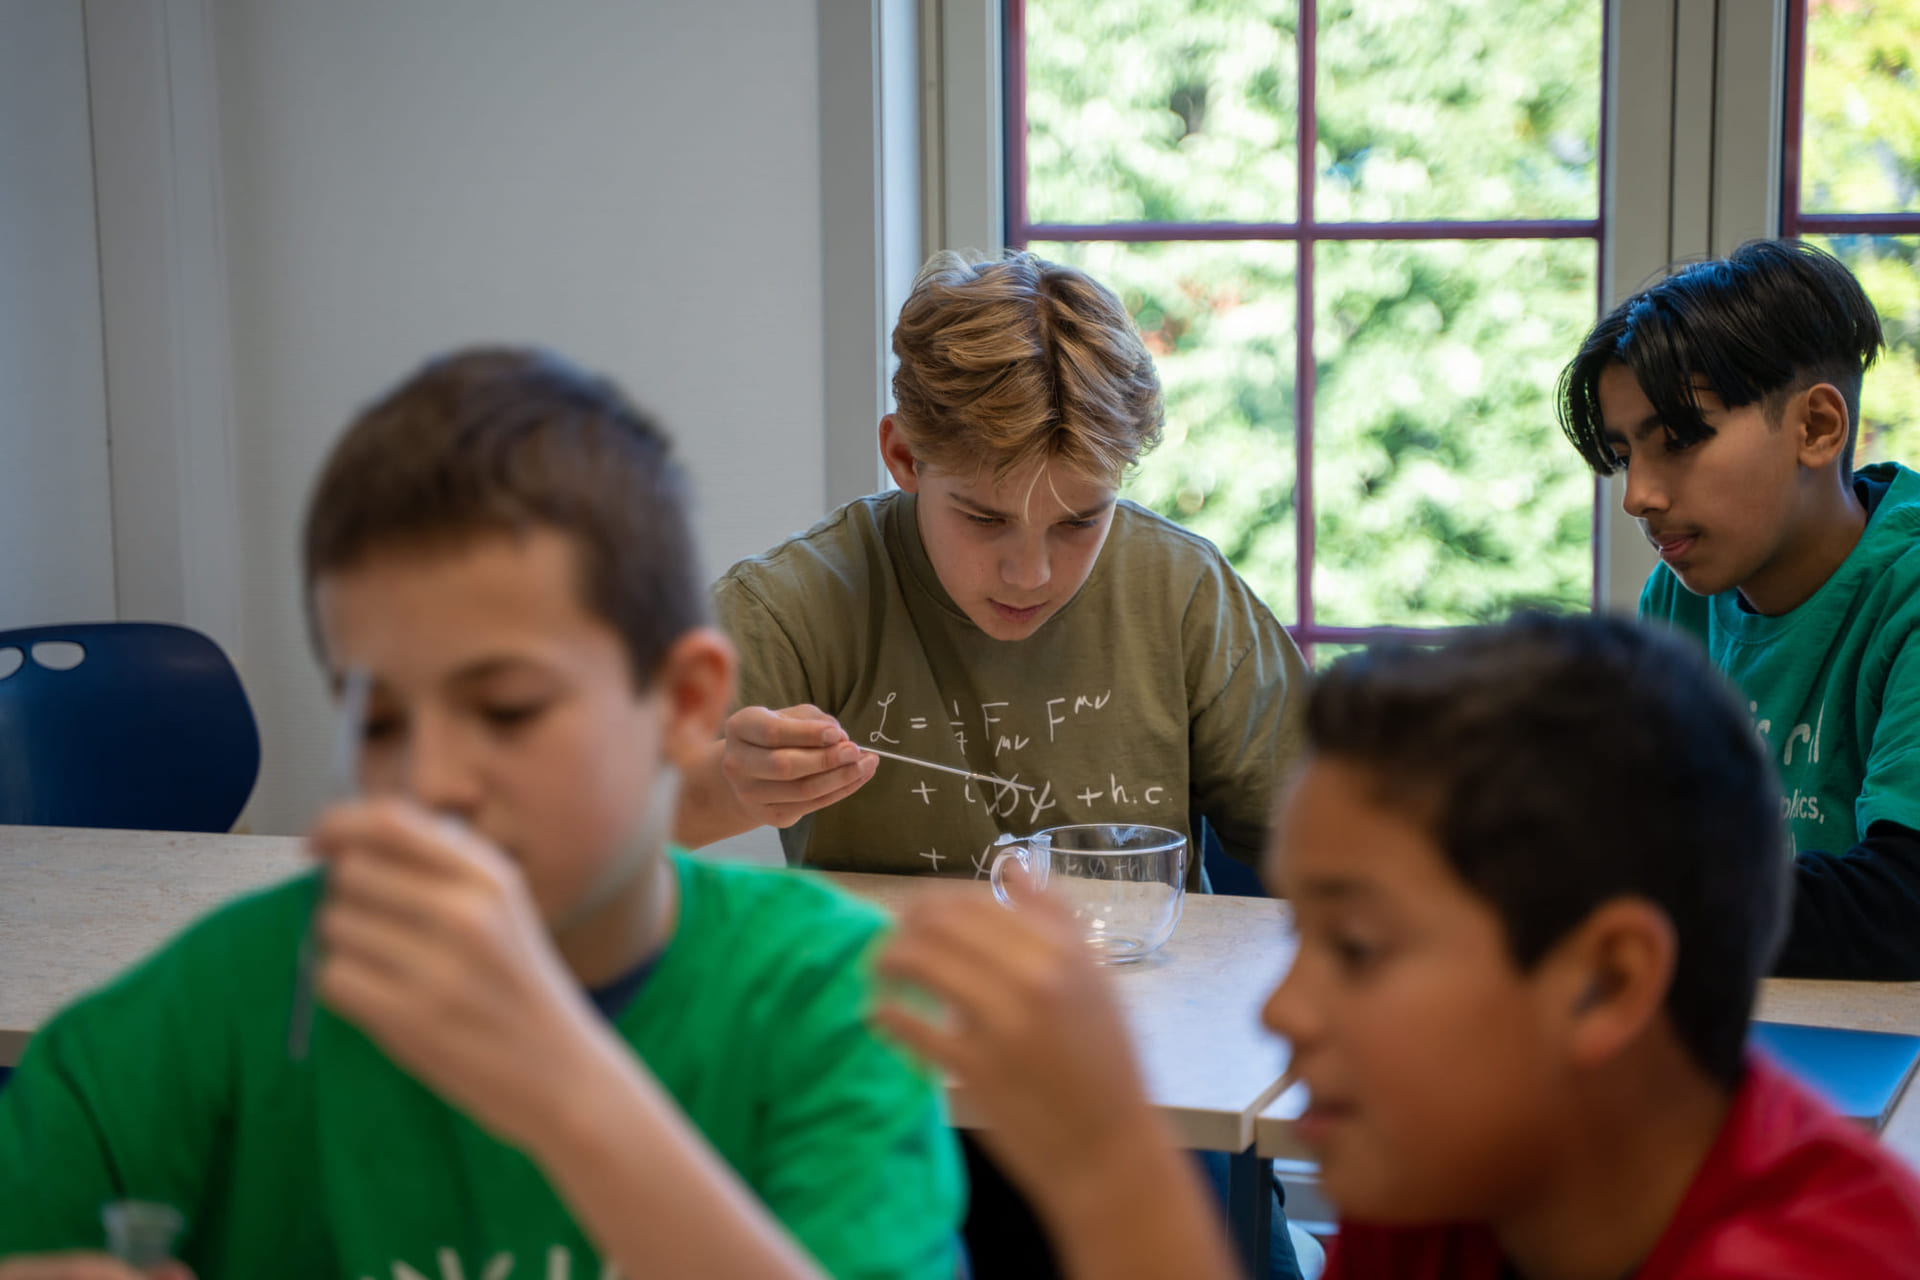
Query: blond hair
[(1012, 361)]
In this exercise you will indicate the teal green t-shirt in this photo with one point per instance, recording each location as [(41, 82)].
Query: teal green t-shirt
[(173, 1084), (1834, 685)]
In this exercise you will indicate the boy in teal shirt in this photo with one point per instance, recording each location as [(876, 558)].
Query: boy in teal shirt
[(1730, 393), (548, 1045)]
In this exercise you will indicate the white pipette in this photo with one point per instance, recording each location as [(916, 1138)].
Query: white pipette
[(350, 720), (947, 768)]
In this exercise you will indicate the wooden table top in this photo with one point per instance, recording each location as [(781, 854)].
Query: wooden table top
[(78, 906), (1193, 1008)]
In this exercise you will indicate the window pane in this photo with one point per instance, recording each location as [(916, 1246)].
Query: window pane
[(1325, 654), (1444, 493), (1458, 109), (1889, 270), (1860, 147), (1161, 110), (1219, 321)]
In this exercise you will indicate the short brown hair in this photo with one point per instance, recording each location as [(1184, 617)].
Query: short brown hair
[(498, 440), (1011, 361), (1562, 762)]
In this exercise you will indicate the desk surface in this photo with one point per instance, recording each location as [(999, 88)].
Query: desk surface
[(1193, 1007), (78, 906)]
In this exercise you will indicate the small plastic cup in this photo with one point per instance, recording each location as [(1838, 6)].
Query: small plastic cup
[(141, 1233)]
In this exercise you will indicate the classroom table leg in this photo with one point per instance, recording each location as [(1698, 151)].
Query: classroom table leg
[(1250, 1209)]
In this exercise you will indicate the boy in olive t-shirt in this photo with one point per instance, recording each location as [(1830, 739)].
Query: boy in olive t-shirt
[(1001, 612), (548, 1046)]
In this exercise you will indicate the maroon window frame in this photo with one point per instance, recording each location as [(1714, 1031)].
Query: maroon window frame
[(1304, 234), (1793, 221)]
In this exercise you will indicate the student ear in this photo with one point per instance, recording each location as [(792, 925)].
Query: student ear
[(1825, 425), (1611, 978), (894, 451), (696, 681)]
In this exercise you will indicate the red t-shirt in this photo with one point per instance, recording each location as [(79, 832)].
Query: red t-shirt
[(1789, 1191)]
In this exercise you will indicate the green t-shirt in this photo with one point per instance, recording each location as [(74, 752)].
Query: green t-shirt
[(1163, 692), (173, 1084), (1834, 685)]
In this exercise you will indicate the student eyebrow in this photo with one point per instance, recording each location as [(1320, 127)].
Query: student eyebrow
[(1639, 430), (487, 668), (980, 508), (1335, 889), (1091, 512)]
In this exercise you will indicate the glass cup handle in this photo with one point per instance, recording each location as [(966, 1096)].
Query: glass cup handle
[(1023, 854)]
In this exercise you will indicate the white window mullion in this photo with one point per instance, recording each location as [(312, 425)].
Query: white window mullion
[(965, 195)]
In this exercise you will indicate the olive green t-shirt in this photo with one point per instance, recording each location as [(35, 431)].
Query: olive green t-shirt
[(173, 1085), (1162, 693)]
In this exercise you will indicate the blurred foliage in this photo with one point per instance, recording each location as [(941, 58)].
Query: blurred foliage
[(1458, 109), (1889, 270), (1161, 110), (1443, 491), (1860, 148), (1860, 153)]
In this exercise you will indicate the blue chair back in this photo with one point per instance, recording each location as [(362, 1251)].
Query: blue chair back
[(1224, 875), (150, 730)]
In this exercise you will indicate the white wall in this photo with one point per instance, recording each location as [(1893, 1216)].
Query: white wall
[(635, 184), (56, 547)]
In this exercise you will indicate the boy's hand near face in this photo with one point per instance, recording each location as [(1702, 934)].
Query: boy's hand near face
[(1031, 1031), (782, 765), (433, 946), (1034, 1036)]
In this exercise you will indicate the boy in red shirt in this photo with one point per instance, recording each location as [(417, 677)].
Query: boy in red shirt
[(1537, 876)]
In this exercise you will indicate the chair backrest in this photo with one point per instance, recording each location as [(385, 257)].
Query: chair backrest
[(148, 729), (1224, 875)]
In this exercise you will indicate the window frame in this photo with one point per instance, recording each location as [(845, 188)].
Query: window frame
[(1691, 162), (1794, 221), (1305, 232)]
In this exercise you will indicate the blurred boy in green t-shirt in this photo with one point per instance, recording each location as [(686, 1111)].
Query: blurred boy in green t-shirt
[(548, 1044)]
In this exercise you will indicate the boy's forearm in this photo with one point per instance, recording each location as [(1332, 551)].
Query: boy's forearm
[(1856, 915), (647, 1188), (708, 810), (1147, 1216)]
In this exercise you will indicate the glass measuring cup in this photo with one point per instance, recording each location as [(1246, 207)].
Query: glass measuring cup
[(1124, 883)]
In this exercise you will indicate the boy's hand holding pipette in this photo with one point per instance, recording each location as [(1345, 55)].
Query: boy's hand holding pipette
[(783, 765), (433, 945)]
